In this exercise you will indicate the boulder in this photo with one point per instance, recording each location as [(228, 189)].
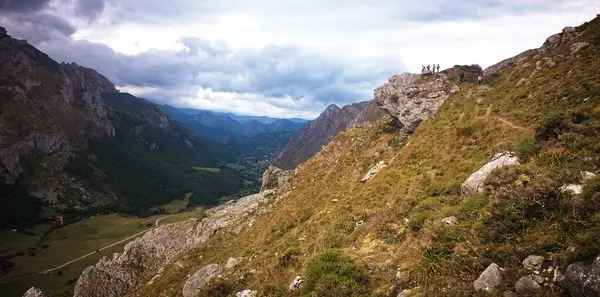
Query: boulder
[(274, 177), (454, 89), (411, 98), (199, 279), (450, 221), (34, 292), (232, 262), (246, 293), (526, 284), (373, 171), (586, 175), (572, 188), (533, 262), (489, 279), (582, 279), (474, 183), (295, 285)]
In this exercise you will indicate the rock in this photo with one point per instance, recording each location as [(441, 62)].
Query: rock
[(373, 171), (296, 284), (489, 279), (475, 182), (538, 279), (509, 294), (232, 262), (274, 177), (572, 188), (408, 292), (533, 262), (577, 46), (522, 81), (33, 291), (125, 272), (526, 284), (454, 89), (586, 175), (411, 99), (199, 279), (450, 221), (582, 279), (246, 293)]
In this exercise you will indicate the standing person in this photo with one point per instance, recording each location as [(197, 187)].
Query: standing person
[(422, 69), (479, 79), (433, 68), (438, 67), (462, 77), (428, 68)]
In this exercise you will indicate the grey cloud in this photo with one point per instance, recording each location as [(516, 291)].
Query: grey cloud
[(20, 6), (38, 27), (90, 8)]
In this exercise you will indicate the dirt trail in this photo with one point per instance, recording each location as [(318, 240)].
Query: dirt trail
[(488, 112), (103, 248)]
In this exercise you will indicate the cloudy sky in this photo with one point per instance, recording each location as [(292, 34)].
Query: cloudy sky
[(281, 58)]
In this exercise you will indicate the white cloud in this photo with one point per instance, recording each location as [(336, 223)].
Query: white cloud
[(230, 54)]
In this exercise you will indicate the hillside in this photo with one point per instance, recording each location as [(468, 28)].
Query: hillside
[(71, 142), (317, 133), (412, 229)]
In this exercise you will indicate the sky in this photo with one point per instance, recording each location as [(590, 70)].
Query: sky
[(278, 58)]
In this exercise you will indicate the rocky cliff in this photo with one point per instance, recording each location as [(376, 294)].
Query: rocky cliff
[(66, 133), (317, 133)]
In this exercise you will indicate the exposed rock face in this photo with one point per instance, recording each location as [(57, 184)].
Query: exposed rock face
[(124, 272), (274, 178), (199, 279), (526, 284), (411, 98), (232, 262), (34, 292), (475, 182), (567, 34), (319, 132), (582, 279), (373, 171), (489, 279)]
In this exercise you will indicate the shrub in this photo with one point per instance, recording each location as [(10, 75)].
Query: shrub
[(443, 189), (332, 275), (527, 148), (443, 248), (415, 223)]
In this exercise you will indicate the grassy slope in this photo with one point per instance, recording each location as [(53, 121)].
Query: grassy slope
[(523, 213)]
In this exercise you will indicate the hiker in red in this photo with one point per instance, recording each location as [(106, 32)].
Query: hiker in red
[(428, 68)]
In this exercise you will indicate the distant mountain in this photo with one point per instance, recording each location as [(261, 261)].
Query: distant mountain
[(171, 110), (317, 133), (72, 142), (224, 127)]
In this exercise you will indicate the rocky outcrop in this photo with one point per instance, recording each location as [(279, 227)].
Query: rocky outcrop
[(124, 272), (319, 132), (232, 262), (296, 283), (475, 182), (450, 221), (489, 279), (582, 279), (274, 178), (533, 262), (567, 34), (412, 98), (199, 279), (34, 292), (373, 171)]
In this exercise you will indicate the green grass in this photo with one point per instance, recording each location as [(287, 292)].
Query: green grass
[(208, 169), (175, 205)]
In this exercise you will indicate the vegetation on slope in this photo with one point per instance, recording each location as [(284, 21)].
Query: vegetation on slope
[(392, 224)]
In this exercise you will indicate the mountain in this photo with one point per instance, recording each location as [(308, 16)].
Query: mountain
[(483, 190), (226, 127), (317, 133), (72, 142)]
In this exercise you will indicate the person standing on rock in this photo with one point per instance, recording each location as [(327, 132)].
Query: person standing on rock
[(479, 79), (433, 70), (422, 69), (438, 68), (428, 68)]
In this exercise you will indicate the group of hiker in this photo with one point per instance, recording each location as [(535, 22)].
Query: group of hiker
[(430, 69), (479, 78)]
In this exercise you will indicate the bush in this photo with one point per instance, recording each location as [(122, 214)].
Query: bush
[(415, 223), (527, 148), (332, 275)]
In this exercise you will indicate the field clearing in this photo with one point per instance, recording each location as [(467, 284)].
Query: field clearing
[(209, 169), (70, 242)]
